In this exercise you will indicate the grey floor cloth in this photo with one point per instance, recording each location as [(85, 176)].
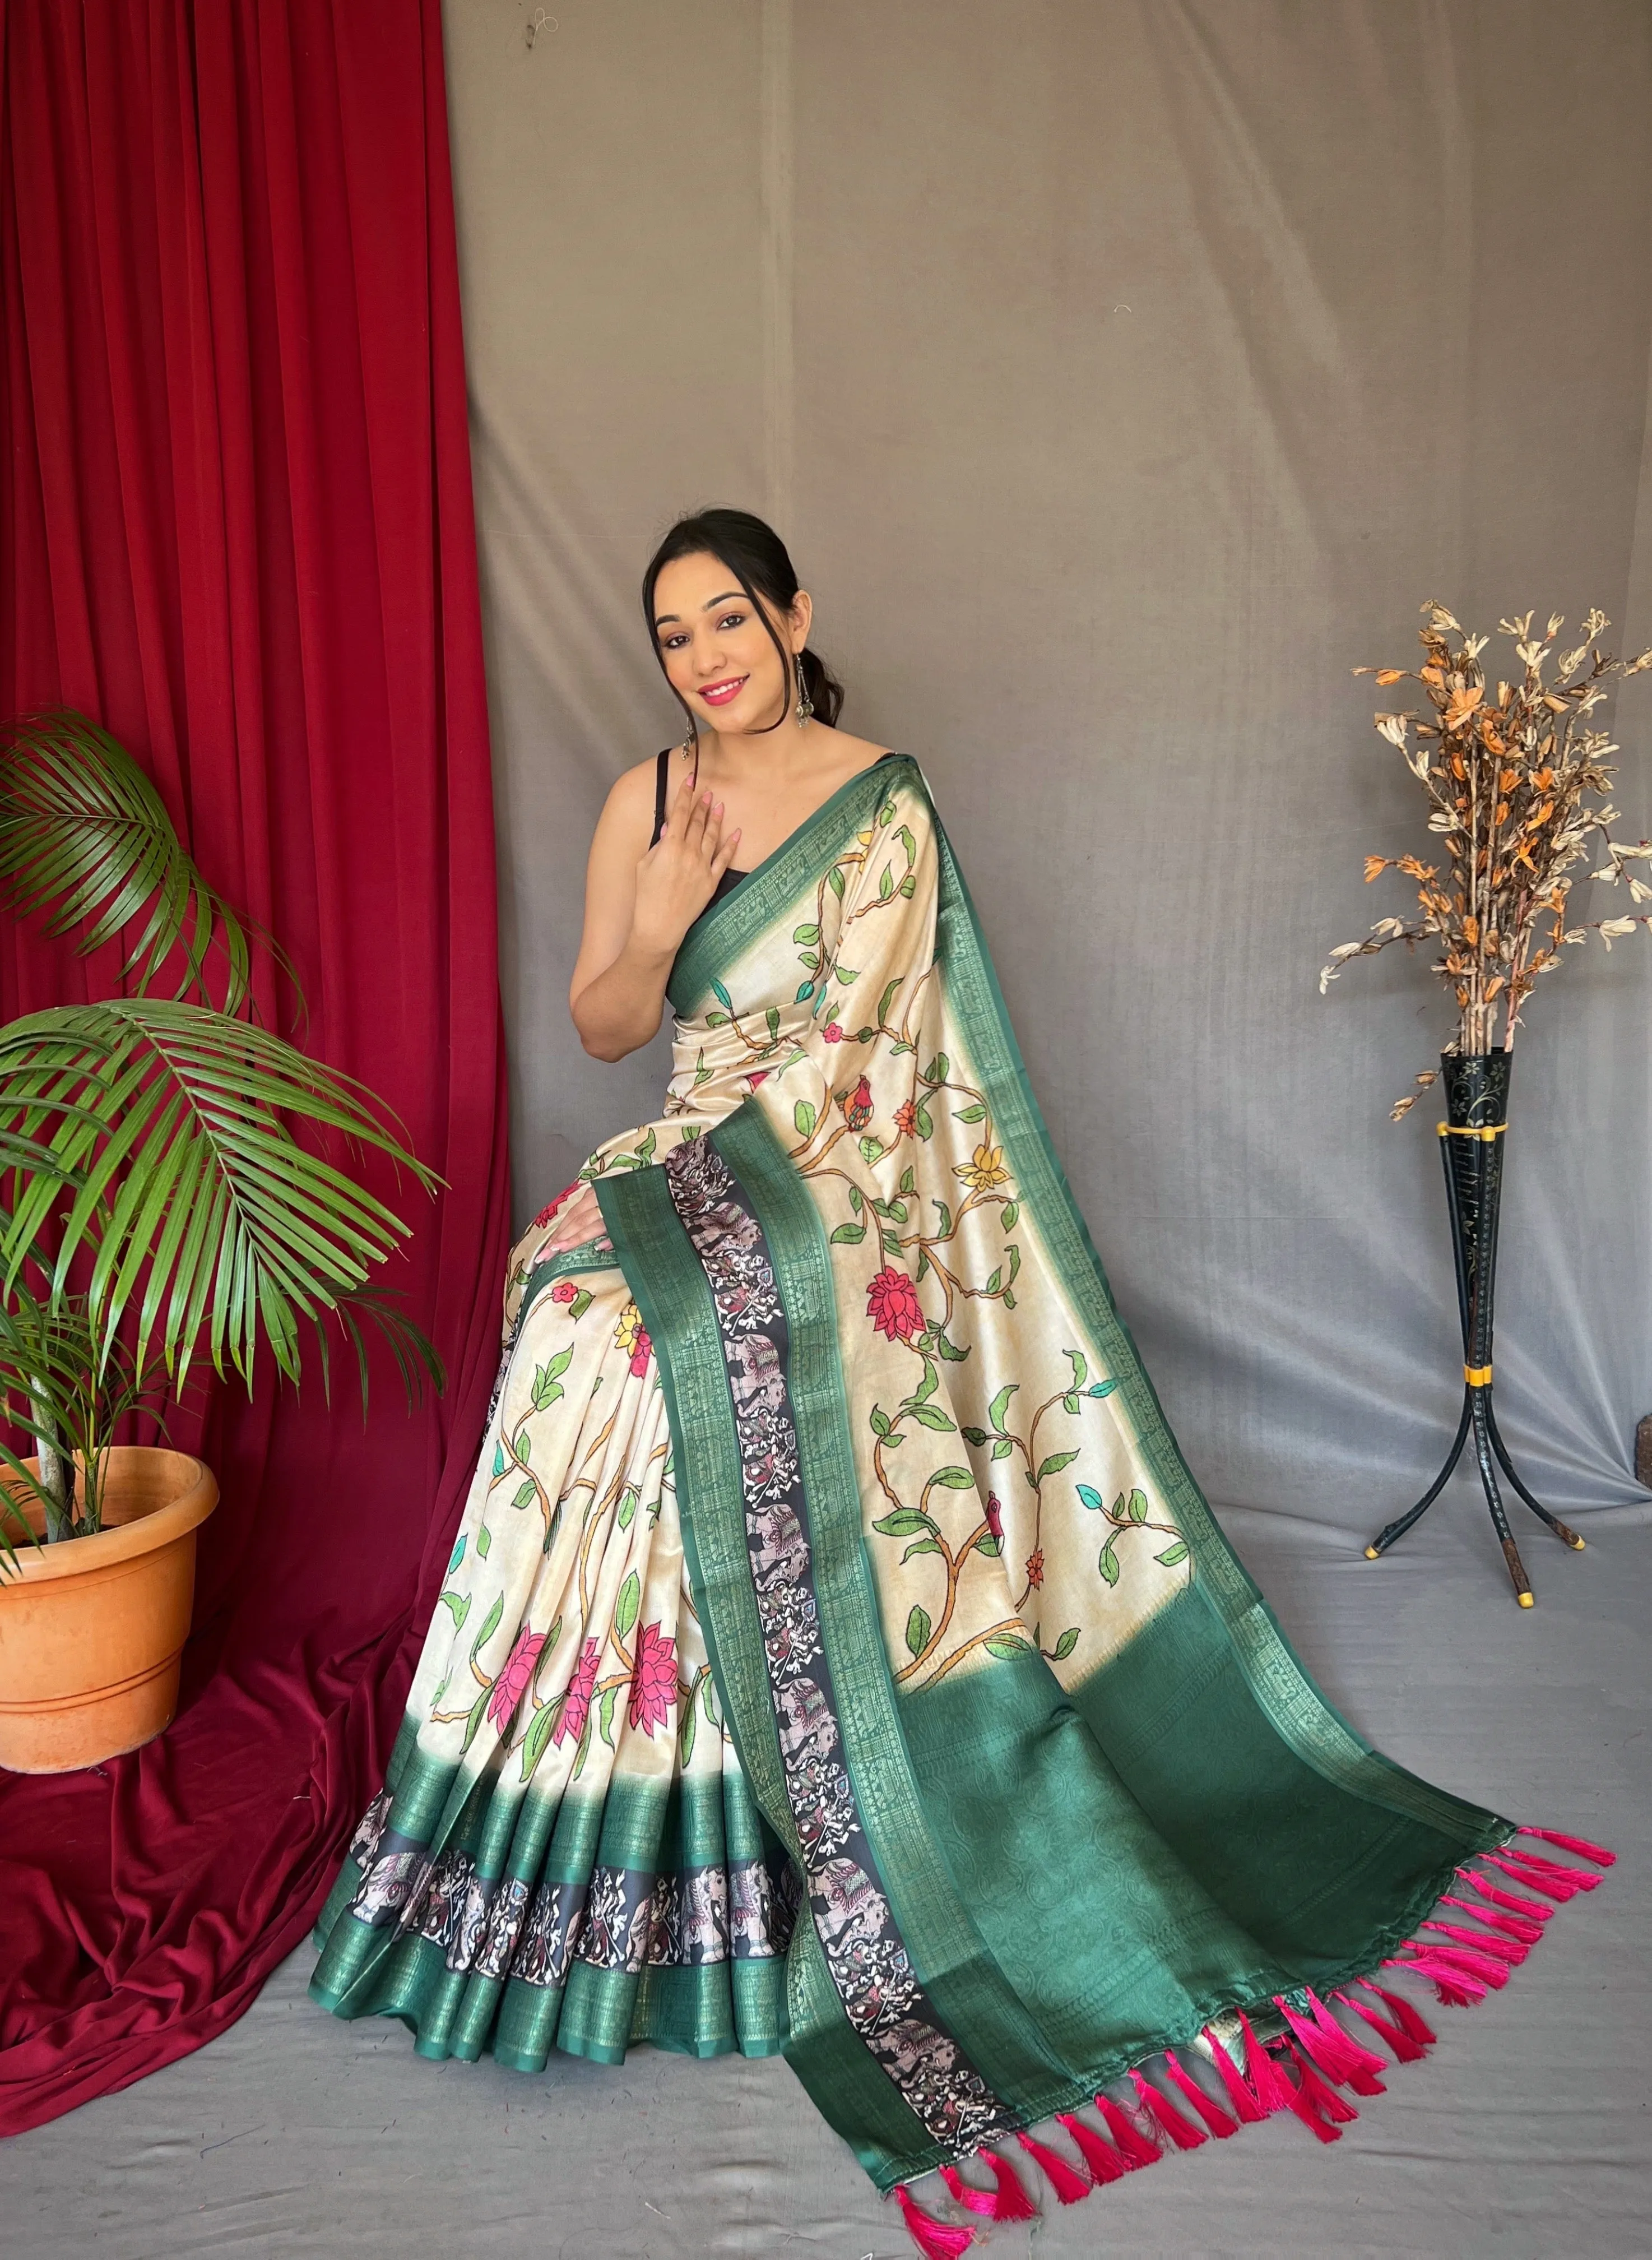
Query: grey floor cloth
[(1524, 2135)]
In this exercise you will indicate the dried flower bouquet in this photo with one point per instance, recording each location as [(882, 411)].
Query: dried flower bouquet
[(1515, 787)]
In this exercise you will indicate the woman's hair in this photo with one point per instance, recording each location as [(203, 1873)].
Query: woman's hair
[(756, 556)]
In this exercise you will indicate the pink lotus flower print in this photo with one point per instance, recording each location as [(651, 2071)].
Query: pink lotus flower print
[(576, 1703), (654, 1680), (512, 1684), (892, 1306), (639, 1355)]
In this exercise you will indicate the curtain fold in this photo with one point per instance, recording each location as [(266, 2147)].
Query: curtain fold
[(236, 527)]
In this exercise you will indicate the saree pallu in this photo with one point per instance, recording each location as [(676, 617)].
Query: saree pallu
[(837, 1656)]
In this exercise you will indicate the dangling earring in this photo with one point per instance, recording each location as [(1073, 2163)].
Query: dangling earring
[(805, 704)]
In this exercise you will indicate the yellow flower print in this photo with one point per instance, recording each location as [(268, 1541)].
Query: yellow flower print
[(629, 1328), (986, 1171)]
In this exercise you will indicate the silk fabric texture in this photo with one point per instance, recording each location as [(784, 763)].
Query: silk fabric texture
[(836, 1655)]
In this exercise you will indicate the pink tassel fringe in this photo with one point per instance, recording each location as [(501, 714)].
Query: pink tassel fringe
[(1489, 1891), (1221, 2123), (1581, 1845), (936, 2240), (1511, 1925), (1184, 2137), (1068, 2185), (1406, 2050), (1273, 2091), (1460, 1960), (1098, 2152), (1246, 2110), (1134, 2147)]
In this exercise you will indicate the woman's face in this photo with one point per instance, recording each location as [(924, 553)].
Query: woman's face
[(719, 655)]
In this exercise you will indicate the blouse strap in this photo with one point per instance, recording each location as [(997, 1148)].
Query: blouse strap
[(662, 779)]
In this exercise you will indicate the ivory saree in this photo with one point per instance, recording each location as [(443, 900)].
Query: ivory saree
[(836, 1656)]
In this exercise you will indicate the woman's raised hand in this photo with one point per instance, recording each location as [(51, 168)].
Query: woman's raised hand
[(678, 875)]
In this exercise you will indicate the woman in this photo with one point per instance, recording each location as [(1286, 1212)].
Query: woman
[(836, 1656)]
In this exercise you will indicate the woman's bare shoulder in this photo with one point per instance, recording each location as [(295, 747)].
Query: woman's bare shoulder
[(628, 810)]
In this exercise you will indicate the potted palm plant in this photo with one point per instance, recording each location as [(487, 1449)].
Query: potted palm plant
[(155, 1203)]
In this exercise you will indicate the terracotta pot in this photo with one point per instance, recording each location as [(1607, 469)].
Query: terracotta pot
[(92, 1629)]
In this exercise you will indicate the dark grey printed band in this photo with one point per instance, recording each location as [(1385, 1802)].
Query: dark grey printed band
[(855, 1924)]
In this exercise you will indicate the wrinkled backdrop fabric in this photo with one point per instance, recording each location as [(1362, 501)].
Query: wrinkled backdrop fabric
[(235, 526), (1122, 373)]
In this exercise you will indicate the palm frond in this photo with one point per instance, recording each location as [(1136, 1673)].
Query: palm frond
[(84, 832), (190, 1189)]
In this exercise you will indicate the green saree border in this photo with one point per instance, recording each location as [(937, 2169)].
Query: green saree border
[(665, 1275), (1308, 1724), (975, 2002), (722, 934)]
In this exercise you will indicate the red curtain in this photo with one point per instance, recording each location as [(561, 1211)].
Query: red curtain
[(236, 527)]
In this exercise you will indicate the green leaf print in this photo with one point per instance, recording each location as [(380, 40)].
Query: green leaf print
[(805, 933), (1066, 1644), (989, 1546), (975, 1435), (939, 1068), (921, 1122), (1172, 1555), (1011, 1214), (691, 1713), (1000, 1406), (630, 1600), (1108, 1563), (1081, 1368), (539, 1732), (525, 1495), (461, 1608), (1005, 1644), (484, 1542), (951, 1479), (580, 1304), (883, 1003), (1070, 1402), (917, 1632), (834, 880), (932, 1417), (547, 1386), (477, 1712), (920, 1546), (852, 1233), (605, 1723), (490, 1626), (803, 1115), (905, 1522), (1137, 1509), (976, 1113), (771, 1021), (627, 1507), (1055, 1463)]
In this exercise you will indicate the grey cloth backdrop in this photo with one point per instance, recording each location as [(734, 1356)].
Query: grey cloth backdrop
[(1122, 373)]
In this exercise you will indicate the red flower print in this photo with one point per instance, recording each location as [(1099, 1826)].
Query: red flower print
[(857, 1105), (1035, 1568), (551, 1206), (906, 1117), (512, 1684), (892, 1306), (832, 1033), (639, 1355), (563, 1292), (994, 1516), (571, 1725), (759, 1075), (653, 1682)]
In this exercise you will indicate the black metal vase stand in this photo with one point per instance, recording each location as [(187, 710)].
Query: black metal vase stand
[(1477, 1086)]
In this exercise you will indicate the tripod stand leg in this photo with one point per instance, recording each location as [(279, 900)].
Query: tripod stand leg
[(1385, 1539), (1479, 1408), (1560, 1528)]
